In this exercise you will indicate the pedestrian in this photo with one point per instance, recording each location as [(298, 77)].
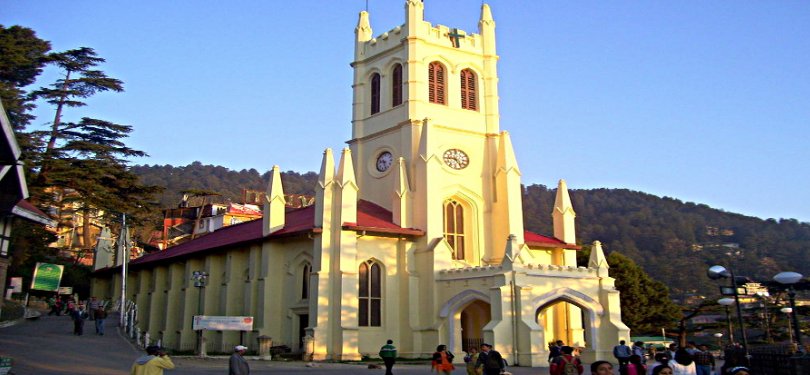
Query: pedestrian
[(704, 360), (638, 349), (622, 353), (101, 315), (443, 360), (388, 353), (237, 365), (601, 368), (470, 360), (490, 361), (683, 364), (92, 307), (691, 347), (78, 316), (153, 363), (52, 306), (71, 306), (661, 358), (635, 367), (566, 363), (662, 370), (554, 350), (672, 349)]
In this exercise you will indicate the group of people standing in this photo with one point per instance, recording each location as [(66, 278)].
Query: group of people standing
[(486, 362), (95, 311), (692, 359)]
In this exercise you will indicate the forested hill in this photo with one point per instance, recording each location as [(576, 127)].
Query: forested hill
[(673, 241)]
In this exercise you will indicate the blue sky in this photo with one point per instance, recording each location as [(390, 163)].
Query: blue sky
[(703, 101)]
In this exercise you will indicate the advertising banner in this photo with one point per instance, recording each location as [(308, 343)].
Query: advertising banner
[(222, 323), (65, 290), (47, 277)]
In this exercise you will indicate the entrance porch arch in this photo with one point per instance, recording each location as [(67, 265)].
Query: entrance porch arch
[(591, 312), (455, 313)]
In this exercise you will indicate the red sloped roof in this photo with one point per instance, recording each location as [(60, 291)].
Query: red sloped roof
[(374, 218), (539, 240), (370, 217)]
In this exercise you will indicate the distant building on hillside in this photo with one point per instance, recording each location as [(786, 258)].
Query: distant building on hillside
[(187, 222)]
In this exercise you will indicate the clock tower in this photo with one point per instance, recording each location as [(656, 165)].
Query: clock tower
[(426, 142)]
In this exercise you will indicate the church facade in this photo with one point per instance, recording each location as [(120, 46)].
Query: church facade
[(416, 233)]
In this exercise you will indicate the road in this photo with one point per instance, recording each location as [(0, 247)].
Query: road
[(47, 346)]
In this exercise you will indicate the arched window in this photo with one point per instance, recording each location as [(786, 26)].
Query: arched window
[(396, 86), (370, 295), (469, 96), (454, 227), (436, 83), (305, 273), (375, 93)]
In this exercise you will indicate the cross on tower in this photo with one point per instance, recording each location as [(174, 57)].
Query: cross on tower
[(455, 37)]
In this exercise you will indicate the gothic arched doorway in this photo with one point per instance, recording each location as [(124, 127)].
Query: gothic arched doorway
[(563, 320), (473, 318)]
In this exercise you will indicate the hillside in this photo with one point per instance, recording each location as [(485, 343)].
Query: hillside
[(673, 241)]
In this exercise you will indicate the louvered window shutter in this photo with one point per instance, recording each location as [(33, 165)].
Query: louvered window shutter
[(375, 93), (396, 94), (468, 92)]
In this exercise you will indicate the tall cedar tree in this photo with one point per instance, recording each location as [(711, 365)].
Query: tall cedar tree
[(87, 157), (22, 57)]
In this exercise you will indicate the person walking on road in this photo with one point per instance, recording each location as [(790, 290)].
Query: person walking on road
[(78, 315), (101, 315), (153, 363), (92, 307), (388, 353), (622, 352), (237, 365), (704, 360), (554, 350), (490, 360), (471, 359), (443, 360)]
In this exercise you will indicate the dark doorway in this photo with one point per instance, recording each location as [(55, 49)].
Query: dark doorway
[(303, 322)]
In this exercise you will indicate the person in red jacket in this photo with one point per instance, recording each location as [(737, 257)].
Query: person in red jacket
[(567, 363)]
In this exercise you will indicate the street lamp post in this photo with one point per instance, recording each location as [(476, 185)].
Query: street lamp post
[(764, 304), (199, 278), (726, 302), (717, 272), (790, 278), (788, 310)]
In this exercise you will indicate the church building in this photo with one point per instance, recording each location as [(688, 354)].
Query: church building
[(416, 233)]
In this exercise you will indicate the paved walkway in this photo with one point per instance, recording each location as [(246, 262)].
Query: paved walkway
[(47, 346)]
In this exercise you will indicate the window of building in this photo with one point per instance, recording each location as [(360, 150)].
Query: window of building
[(375, 93), (454, 227), (469, 96), (370, 294), (307, 270), (436, 83), (396, 86)]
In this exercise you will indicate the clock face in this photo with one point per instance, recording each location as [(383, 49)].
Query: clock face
[(456, 159), (384, 161)]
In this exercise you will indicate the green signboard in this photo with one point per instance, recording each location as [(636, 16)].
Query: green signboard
[(47, 277), (5, 365)]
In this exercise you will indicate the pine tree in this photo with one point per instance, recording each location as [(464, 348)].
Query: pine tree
[(85, 163)]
